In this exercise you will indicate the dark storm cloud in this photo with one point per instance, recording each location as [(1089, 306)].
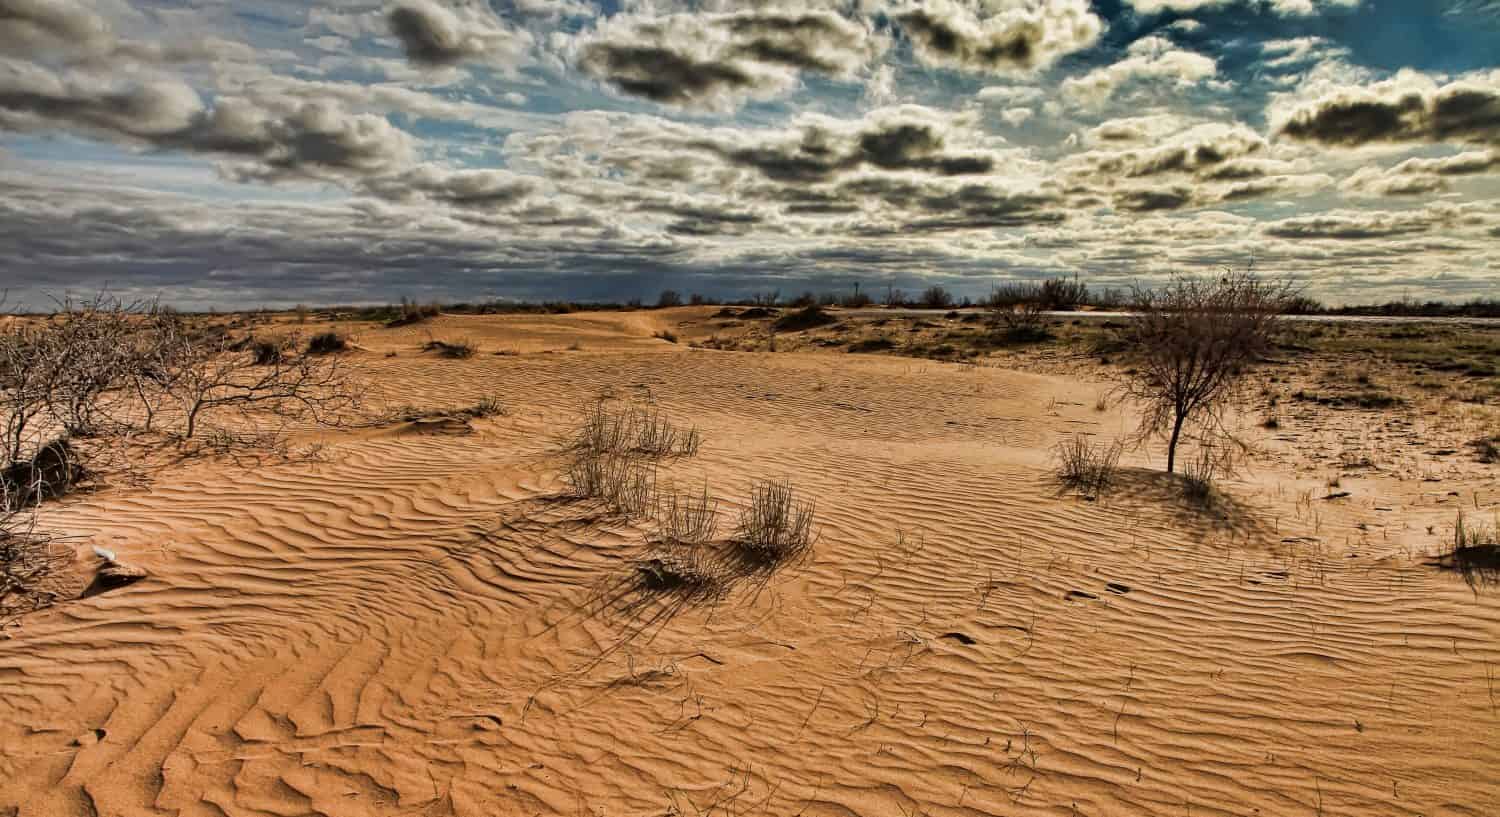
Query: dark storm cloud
[(317, 140), (959, 35), (1146, 201), (717, 60), (1467, 110), (433, 35), (661, 74), (891, 143)]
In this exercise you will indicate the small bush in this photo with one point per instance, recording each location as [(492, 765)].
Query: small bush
[(1085, 466), (268, 352), (632, 430), (486, 407), (666, 335), (872, 345), (775, 529), (410, 312), (668, 298), (809, 317), (327, 343), (686, 520)]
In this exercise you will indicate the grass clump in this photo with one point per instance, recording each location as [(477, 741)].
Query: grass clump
[(624, 481), (1474, 553), (634, 430), (1085, 466), (775, 528), (461, 349)]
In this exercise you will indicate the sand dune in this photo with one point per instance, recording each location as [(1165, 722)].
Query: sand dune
[(417, 625)]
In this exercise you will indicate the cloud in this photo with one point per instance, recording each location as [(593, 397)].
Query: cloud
[(1420, 176), (476, 189), (1149, 58), (1301, 8), (1408, 108), (717, 61), (309, 140), (32, 28), (1021, 38), (1367, 224), (433, 35)]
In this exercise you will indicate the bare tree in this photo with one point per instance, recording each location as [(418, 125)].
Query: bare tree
[(1193, 342)]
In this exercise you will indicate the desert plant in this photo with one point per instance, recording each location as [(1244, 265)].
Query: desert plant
[(644, 430), (28, 557), (775, 528), (668, 298), (410, 312), (1474, 553), (691, 519), (1201, 473), (1193, 341), (461, 349), (1061, 294), (809, 317), (486, 407), (624, 481), (667, 335), (327, 343), (1086, 466)]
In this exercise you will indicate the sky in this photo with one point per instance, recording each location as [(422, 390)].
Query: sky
[(217, 153)]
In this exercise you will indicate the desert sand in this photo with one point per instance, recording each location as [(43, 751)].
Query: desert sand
[(414, 623)]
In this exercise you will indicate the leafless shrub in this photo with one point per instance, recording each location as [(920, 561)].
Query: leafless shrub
[(775, 528), (327, 343), (203, 373), (28, 556), (269, 351), (1193, 342), (1085, 466)]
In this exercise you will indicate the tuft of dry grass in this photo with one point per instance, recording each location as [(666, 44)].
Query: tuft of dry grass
[(1474, 553), (775, 528), (461, 349), (633, 429), (1086, 466), (624, 481), (1202, 471)]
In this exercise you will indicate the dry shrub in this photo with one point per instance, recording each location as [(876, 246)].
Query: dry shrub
[(687, 519), (775, 528), (486, 407), (327, 343), (269, 351), (1085, 466), (28, 557)]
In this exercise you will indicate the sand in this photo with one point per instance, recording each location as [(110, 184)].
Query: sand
[(412, 624)]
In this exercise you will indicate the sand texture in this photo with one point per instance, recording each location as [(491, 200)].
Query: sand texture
[(417, 623)]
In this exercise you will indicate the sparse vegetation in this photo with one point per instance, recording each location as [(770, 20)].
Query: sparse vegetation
[(461, 349), (410, 312), (1474, 553), (775, 528), (1086, 466), (327, 343), (1193, 341), (810, 317), (667, 335)]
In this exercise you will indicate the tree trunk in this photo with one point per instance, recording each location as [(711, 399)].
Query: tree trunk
[(192, 421), (1172, 444)]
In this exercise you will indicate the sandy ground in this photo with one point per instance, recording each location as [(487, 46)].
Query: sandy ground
[(414, 626)]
